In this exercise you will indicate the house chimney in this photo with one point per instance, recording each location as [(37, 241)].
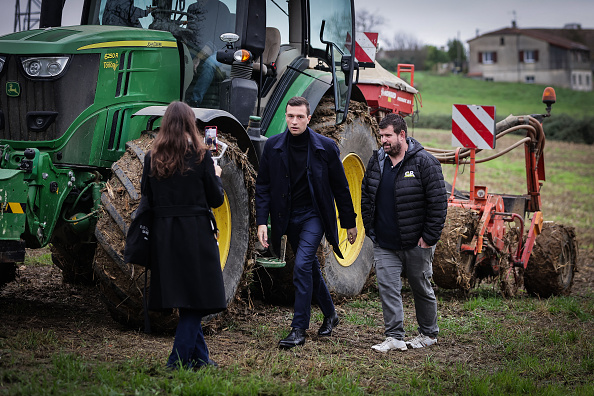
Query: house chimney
[(514, 24)]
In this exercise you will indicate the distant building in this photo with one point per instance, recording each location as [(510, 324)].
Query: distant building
[(556, 57)]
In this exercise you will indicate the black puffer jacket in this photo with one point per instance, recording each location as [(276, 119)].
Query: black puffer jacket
[(419, 194)]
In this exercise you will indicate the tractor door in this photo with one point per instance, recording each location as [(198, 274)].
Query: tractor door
[(331, 32)]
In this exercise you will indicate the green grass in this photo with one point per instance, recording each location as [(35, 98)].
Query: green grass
[(515, 346), (44, 259), (439, 93)]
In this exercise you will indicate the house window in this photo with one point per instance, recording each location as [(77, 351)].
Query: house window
[(502, 41), (580, 79), (574, 80), (528, 56), (487, 57), (529, 79), (587, 79)]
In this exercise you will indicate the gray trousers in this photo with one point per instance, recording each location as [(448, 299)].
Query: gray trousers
[(417, 265)]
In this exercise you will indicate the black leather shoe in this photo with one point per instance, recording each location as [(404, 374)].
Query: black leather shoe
[(295, 337), (328, 324)]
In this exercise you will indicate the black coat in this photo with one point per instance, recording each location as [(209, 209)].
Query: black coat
[(327, 184), (185, 264), (419, 195)]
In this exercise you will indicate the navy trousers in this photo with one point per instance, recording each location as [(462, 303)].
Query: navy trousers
[(304, 233), (189, 347)]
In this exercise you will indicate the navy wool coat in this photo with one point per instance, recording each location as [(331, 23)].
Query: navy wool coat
[(185, 264), (327, 184)]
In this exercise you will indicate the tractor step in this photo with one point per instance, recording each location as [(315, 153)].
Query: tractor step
[(271, 262)]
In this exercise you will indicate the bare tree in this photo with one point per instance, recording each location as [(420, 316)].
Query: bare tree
[(366, 21), (404, 42)]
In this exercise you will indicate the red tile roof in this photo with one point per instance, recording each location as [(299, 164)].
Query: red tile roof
[(552, 36)]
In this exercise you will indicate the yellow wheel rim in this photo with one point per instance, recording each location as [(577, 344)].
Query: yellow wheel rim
[(354, 171), (222, 215)]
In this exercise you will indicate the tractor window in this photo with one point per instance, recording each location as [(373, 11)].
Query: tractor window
[(197, 23), (338, 28), (277, 15), (334, 43)]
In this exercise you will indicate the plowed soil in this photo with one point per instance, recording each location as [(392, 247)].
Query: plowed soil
[(247, 334)]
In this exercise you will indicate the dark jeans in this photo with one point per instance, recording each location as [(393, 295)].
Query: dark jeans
[(189, 347), (304, 233)]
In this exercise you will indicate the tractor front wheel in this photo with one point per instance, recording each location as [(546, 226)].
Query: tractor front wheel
[(73, 255)]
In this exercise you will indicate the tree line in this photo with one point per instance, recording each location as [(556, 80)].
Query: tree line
[(406, 48)]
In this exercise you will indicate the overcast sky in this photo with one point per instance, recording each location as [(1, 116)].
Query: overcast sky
[(429, 21), (436, 21)]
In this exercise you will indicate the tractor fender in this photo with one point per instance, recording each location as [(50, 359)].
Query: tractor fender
[(210, 117), (320, 87), (317, 90)]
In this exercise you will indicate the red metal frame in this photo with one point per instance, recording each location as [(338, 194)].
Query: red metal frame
[(493, 216)]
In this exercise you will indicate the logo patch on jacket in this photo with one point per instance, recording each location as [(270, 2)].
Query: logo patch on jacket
[(409, 174)]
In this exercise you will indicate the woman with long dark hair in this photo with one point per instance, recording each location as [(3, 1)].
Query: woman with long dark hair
[(182, 183)]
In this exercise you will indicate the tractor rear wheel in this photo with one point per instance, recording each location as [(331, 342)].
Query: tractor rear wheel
[(553, 262), (121, 284), (452, 268), (356, 139)]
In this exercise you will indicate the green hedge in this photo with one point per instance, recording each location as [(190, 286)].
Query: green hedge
[(558, 127)]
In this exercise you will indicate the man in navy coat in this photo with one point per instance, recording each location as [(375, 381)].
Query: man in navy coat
[(299, 180)]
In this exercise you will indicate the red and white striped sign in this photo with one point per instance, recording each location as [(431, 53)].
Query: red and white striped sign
[(473, 126), (365, 46)]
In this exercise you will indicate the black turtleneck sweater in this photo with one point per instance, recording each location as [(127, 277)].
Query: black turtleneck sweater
[(298, 147)]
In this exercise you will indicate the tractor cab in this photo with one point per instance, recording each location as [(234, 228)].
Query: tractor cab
[(243, 56)]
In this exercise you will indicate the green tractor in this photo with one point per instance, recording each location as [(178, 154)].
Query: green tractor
[(80, 106)]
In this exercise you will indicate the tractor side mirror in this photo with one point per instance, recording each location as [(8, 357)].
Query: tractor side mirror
[(225, 55)]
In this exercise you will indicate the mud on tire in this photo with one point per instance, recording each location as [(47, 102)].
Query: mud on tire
[(453, 269), (356, 139), (551, 267), (121, 284)]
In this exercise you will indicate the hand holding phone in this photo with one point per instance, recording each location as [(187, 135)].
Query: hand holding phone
[(210, 138)]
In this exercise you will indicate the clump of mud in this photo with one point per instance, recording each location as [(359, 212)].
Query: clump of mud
[(451, 268), (552, 265)]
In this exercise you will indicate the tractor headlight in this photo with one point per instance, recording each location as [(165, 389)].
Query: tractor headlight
[(2, 60), (44, 66)]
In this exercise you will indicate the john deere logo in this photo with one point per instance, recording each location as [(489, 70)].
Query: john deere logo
[(13, 88)]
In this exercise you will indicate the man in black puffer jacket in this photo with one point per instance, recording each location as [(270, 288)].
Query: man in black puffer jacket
[(404, 206)]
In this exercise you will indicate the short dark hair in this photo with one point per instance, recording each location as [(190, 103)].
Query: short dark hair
[(296, 101), (396, 121)]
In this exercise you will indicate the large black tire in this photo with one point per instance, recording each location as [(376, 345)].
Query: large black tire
[(8, 273), (73, 255), (122, 284), (551, 267), (356, 138)]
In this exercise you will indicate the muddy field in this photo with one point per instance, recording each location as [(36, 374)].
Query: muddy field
[(245, 336)]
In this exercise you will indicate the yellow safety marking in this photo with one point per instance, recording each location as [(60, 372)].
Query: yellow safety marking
[(14, 207), (131, 43)]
